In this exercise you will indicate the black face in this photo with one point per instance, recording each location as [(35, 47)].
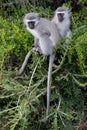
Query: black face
[(60, 17), (31, 24)]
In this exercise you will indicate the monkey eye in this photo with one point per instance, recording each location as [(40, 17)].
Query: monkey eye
[(31, 22), (60, 14)]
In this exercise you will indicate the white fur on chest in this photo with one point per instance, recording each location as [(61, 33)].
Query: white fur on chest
[(63, 27), (34, 33)]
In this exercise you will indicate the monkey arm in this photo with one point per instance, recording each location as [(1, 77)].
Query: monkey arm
[(36, 42), (37, 45), (46, 33)]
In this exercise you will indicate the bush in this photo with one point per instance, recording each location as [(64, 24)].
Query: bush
[(23, 99), (14, 40)]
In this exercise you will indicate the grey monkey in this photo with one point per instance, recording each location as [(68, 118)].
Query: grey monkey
[(46, 37), (62, 20)]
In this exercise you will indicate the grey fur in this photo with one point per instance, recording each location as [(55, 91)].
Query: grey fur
[(46, 37)]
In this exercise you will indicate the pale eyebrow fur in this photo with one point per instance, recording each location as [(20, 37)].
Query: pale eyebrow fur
[(60, 12)]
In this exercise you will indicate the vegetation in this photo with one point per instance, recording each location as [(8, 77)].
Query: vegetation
[(23, 99)]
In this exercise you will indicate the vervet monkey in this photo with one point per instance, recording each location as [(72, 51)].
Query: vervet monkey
[(46, 38), (62, 20)]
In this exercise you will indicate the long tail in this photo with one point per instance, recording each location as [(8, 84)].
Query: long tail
[(21, 70), (51, 60)]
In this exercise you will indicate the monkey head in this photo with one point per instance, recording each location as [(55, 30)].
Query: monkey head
[(62, 13), (31, 20)]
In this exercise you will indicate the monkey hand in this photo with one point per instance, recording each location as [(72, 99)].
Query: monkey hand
[(37, 49)]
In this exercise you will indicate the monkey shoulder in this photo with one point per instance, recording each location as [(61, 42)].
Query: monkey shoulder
[(50, 28), (43, 27)]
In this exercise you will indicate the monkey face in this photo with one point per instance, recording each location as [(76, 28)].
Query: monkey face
[(31, 24), (60, 17)]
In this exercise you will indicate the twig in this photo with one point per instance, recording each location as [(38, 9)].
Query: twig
[(9, 109), (79, 28), (2, 97), (63, 59), (34, 72), (39, 95), (78, 75), (80, 84), (62, 120)]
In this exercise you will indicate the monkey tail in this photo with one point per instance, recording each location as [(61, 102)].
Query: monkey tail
[(51, 60), (21, 70)]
